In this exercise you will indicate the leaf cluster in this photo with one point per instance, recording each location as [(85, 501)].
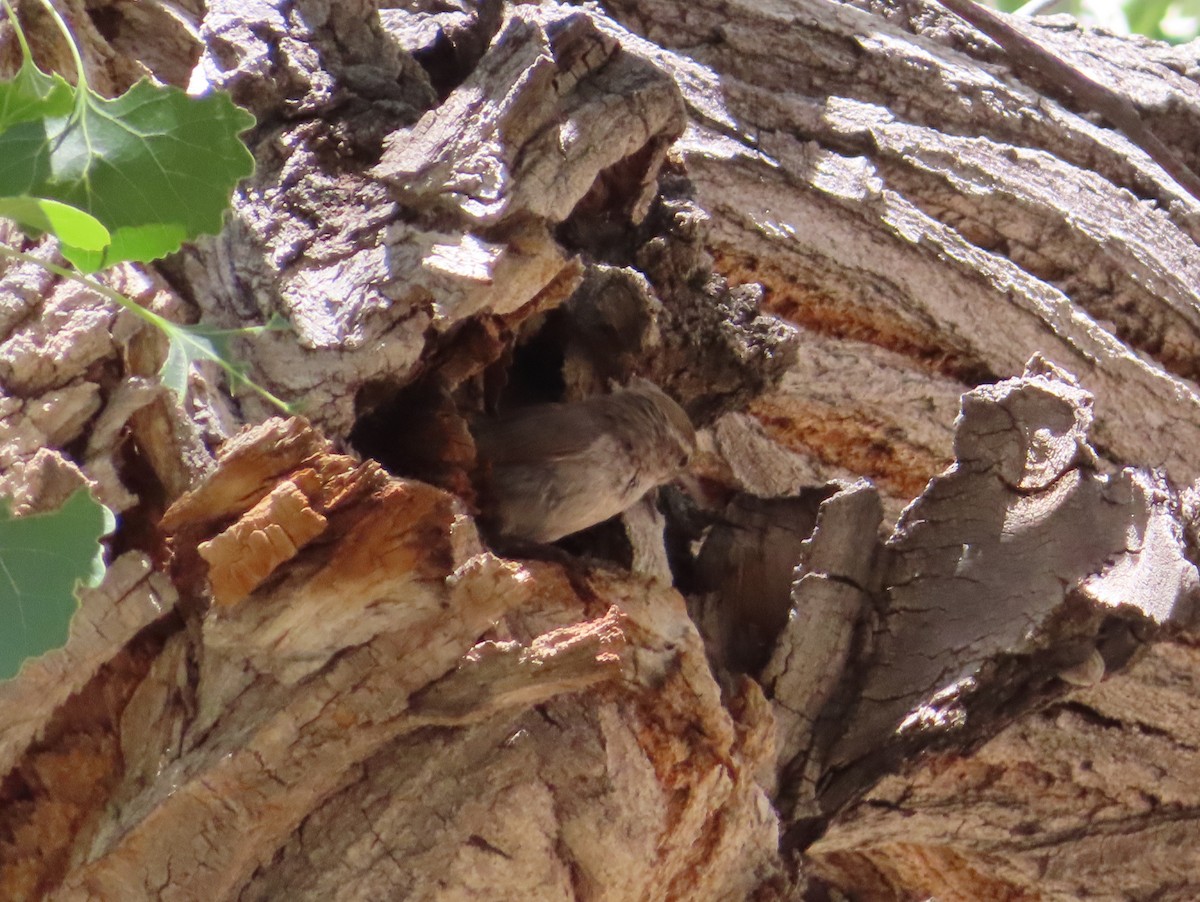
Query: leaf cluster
[(126, 179)]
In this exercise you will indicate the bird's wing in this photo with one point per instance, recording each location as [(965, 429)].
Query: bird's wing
[(545, 432)]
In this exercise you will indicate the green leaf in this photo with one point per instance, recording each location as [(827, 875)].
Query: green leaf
[(71, 225), (1144, 16), (154, 166), (43, 558), (276, 322), (131, 243), (189, 345), (32, 95)]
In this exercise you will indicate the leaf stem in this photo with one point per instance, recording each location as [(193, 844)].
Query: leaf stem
[(159, 322), (26, 54), (81, 83)]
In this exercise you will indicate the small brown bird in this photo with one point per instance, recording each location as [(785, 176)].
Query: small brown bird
[(555, 469)]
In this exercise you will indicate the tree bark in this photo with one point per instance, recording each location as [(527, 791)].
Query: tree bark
[(920, 620)]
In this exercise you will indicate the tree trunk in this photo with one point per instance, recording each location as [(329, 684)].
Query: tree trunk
[(918, 622)]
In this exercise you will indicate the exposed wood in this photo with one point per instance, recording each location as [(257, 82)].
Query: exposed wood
[(919, 620)]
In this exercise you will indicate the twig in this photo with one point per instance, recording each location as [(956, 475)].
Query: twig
[(1027, 53)]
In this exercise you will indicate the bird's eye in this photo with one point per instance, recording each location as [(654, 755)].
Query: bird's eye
[(683, 460)]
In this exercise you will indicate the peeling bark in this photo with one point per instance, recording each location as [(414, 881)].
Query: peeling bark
[(919, 620)]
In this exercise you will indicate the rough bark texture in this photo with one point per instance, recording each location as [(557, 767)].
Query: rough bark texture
[(919, 622)]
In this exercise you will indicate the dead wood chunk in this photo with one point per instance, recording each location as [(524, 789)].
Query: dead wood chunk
[(447, 40), (549, 108), (835, 580), (378, 565), (1022, 551), (273, 492), (270, 533), (748, 560), (250, 464), (283, 488), (607, 327), (496, 675)]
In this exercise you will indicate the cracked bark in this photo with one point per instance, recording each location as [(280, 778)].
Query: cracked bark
[(920, 619)]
